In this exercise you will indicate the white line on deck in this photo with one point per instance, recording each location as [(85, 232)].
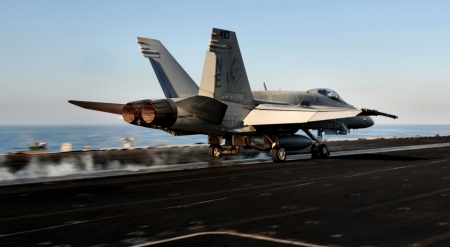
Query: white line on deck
[(252, 236)]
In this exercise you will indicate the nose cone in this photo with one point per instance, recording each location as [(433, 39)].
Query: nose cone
[(369, 122)]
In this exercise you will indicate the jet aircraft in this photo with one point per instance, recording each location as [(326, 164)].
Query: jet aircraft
[(225, 108)]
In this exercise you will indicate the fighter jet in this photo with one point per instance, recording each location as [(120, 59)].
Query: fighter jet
[(225, 108)]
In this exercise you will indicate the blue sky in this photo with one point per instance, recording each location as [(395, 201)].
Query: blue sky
[(392, 56)]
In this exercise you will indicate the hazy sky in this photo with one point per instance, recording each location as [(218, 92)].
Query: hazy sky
[(393, 56)]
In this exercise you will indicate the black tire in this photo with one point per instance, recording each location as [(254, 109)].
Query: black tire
[(278, 155), (314, 152), (215, 151), (323, 151)]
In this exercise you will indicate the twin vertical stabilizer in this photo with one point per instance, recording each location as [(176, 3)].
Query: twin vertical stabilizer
[(224, 77)]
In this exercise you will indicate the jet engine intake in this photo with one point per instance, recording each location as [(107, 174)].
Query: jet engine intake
[(150, 112), (293, 142)]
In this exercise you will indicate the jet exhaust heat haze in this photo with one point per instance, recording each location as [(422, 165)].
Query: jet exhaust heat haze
[(225, 108)]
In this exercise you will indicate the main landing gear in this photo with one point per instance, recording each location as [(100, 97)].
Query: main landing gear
[(215, 151), (318, 149), (278, 154)]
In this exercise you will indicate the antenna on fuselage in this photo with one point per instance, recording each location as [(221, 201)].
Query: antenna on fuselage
[(265, 88)]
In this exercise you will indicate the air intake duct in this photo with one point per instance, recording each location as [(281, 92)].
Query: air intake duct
[(150, 113)]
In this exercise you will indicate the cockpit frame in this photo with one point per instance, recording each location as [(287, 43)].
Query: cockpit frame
[(329, 93)]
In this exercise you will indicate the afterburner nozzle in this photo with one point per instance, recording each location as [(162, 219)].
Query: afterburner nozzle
[(148, 113), (129, 113)]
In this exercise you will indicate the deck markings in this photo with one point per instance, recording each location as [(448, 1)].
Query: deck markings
[(374, 150), (41, 229), (402, 200), (313, 181), (159, 209), (243, 235), (265, 217), (224, 176), (431, 240)]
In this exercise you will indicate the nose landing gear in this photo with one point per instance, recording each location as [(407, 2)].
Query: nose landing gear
[(318, 149)]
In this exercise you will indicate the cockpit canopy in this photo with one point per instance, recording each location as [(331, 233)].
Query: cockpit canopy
[(328, 93)]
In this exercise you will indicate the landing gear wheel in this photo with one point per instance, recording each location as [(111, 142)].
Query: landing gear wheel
[(314, 152), (278, 155), (323, 151), (215, 151)]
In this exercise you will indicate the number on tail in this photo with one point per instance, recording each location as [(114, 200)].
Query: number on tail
[(224, 34)]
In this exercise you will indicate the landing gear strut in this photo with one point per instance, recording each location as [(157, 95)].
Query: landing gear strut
[(215, 151), (318, 149)]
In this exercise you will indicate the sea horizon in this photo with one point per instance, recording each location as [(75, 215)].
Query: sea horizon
[(96, 136)]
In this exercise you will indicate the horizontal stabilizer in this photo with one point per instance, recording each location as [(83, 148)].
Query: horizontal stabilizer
[(99, 106), (205, 108), (368, 112)]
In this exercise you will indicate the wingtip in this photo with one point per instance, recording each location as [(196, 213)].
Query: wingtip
[(74, 102), (99, 106)]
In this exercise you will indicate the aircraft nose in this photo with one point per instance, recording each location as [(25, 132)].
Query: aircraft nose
[(369, 122)]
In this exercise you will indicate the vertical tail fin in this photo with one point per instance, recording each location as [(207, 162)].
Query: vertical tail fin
[(174, 80), (224, 76)]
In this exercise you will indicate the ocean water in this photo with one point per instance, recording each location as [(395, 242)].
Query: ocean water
[(15, 138)]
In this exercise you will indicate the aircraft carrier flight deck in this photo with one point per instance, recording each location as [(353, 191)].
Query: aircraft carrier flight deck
[(392, 192)]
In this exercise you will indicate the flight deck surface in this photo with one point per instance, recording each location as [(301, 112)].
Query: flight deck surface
[(379, 198)]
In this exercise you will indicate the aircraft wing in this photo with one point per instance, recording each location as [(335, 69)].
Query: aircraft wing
[(270, 114)]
